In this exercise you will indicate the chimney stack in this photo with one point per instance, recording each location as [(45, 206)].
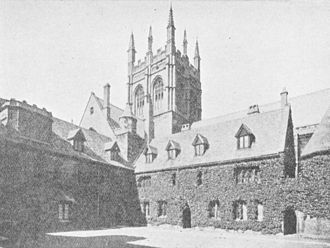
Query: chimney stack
[(106, 100), (284, 98)]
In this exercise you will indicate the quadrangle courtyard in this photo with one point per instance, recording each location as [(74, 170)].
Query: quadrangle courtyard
[(171, 237)]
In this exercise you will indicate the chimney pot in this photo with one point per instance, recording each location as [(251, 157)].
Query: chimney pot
[(284, 97), (106, 100)]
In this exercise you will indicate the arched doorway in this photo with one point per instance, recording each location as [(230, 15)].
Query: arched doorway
[(186, 217), (290, 221)]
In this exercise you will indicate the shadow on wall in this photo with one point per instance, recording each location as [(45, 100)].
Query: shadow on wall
[(121, 241)]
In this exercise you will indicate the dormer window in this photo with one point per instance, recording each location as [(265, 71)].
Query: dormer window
[(113, 149), (173, 149), (150, 153), (78, 145), (200, 144), (245, 137), (77, 139)]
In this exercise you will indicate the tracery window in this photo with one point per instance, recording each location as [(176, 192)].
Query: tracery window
[(158, 95), (139, 101)]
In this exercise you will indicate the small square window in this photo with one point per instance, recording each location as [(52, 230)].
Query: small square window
[(63, 211)]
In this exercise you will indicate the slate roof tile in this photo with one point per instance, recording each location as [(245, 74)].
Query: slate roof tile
[(320, 141), (269, 129)]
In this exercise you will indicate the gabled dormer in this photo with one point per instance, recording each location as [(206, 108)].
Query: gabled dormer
[(77, 139), (200, 144), (151, 153), (173, 149), (245, 137), (113, 149)]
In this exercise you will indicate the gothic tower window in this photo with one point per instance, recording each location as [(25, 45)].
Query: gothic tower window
[(139, 101), (158, 94)]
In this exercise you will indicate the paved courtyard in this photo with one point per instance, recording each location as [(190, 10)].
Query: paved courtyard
[(170, 237)]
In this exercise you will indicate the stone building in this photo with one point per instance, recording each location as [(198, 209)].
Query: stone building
[(58, 176), (157, 161)]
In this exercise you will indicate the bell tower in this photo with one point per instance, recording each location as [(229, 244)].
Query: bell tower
[(164, 88)]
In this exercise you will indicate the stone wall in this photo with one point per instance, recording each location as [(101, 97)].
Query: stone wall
[(34, 181), (219, 183)]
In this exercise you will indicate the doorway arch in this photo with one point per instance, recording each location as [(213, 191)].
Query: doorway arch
[(186, 216), (290, 221)]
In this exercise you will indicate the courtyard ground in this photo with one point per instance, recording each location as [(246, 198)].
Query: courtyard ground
[(171, 237)]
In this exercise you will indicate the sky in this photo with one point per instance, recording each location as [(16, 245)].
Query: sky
[(55, 53)]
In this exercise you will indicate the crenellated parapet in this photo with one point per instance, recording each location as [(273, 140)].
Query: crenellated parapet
[(29, 120), (13, 103)]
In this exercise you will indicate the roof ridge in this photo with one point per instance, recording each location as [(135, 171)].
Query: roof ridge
[(99, 98), (82, 128)]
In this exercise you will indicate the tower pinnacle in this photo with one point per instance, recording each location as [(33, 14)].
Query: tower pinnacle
[(197, 58), (131, 43), (170, 46), (185, 43), (150, 39), (170, 18)]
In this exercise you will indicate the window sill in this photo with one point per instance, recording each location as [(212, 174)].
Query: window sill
[(162, 216), (64, 221)]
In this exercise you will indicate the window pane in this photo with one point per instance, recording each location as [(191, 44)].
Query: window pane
[(66, 211), (60, 211)]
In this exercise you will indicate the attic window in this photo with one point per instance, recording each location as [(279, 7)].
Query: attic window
[(150, 153), (173, 149), (113, 149), (78, 145), (91, 110), (200, 144), (245, 137), (77, 139)]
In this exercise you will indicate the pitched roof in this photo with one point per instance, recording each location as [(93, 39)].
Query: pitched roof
[(2, 101), (269, 129), (76, 134), (307, 109), (150, 148), (112, 145), (115, 112), (320, 141), (94, 145)]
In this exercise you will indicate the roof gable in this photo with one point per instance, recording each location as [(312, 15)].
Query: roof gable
[(172, 145), (112, 146), (200, 139), (320, 141), (150, 150), (243, 130), (76, 134)]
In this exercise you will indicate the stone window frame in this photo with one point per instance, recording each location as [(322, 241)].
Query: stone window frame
[(240, 210), (199, 180), (144, 182), (214, 209), (162, 209), (139, 100), (145, 208), (173, 179), (246, 175), (64, 208), (158, 94), (259, 210)]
